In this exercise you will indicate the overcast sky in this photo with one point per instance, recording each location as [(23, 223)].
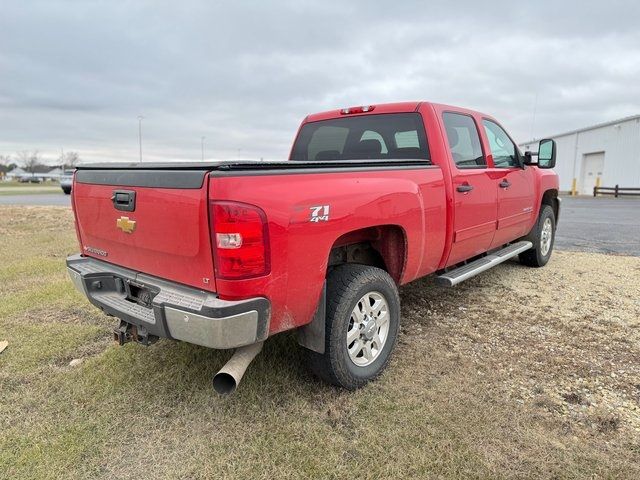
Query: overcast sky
[(76, 75)]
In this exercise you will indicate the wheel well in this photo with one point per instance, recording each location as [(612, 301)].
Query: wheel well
[(381, 246), (550, 198)]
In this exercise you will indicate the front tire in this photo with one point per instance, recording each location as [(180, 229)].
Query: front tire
[(361, 330), (67, 191), (543, 237)]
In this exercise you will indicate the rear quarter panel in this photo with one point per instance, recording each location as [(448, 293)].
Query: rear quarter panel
[(412, 199)]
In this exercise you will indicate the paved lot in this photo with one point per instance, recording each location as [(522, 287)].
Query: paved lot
[(606, 225), (49, 199)]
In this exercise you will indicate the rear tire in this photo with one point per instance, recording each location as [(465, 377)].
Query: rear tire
[(67, 191), (361, 330), (543, 237)]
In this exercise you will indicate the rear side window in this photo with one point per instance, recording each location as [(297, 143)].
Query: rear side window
[(464, 140), (366, 137)]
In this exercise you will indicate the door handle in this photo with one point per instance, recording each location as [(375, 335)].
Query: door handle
[(464, 188), (504, 184)]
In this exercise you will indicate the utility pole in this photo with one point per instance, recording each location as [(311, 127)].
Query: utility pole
[(140, 118), (202, 146), (533, 117)]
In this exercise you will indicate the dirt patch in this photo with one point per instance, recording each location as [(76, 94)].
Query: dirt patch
[(564, 339)]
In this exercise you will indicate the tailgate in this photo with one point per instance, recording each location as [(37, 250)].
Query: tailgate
[(152, 221)]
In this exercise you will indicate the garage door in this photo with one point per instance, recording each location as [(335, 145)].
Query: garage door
[(592, 167)]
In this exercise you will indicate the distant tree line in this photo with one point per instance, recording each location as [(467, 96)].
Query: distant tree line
[(31, 161)]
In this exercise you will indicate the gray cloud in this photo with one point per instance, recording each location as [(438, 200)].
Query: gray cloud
[(244, 74)]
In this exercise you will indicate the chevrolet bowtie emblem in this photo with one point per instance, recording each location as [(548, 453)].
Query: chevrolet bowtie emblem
[(126, 225)]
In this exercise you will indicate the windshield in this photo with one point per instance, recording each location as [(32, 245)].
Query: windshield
[(370, 137)]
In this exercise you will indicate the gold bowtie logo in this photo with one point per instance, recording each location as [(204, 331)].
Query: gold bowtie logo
[(126, 225)]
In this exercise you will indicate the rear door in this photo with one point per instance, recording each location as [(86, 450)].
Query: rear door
[(474, 190), (514, 185), (151, 221)]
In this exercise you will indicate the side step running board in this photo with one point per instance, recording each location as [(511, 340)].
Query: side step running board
[(469, 270)]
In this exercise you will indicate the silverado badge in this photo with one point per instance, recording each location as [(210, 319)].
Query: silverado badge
[(126, 225)]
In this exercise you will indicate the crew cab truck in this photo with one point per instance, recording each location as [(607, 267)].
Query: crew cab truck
[(226, 254)]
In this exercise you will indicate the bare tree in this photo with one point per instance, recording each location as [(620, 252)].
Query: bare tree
[(22, 158), (29, 160), (5, 161), (71, 159)]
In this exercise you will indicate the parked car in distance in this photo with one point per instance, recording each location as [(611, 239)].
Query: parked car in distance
[(226, 254), (66, 181), (29, 179)]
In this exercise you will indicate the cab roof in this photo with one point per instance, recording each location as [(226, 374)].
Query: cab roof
[(373, 109)]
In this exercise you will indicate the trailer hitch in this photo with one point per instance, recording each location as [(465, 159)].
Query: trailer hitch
[(127, 332)]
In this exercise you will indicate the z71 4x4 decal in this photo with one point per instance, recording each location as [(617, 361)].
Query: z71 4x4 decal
[(319, 213)]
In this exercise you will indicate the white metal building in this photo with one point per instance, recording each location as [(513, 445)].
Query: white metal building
[(609, 151)]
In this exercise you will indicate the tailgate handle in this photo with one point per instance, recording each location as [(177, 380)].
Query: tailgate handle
[(124, 200)]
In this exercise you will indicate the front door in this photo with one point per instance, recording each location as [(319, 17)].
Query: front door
[(474, 190), (514, 186)]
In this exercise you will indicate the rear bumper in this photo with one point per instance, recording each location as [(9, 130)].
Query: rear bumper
[(171, 310)]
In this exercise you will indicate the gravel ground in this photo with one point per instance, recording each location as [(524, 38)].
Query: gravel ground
[(564, 339)]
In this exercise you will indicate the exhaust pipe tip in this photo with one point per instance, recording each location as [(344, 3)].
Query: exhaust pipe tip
[(227, 379), (224, 383)]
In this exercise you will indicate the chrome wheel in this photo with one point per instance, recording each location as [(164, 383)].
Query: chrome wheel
[(368, 329), (546, 235)]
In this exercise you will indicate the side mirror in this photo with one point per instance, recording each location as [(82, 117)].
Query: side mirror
[(547, 153), (528, 160)]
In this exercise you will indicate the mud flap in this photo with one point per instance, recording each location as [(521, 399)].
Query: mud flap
[(312, 334)]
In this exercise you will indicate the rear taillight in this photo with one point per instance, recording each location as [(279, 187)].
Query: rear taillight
[(240, 240)]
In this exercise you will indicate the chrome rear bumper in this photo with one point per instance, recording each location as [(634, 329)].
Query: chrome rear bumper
[(171, 310)]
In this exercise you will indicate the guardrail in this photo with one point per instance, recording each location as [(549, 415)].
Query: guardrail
[(616, 191)]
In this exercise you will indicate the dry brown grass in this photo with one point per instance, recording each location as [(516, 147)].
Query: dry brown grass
[(518, 373)]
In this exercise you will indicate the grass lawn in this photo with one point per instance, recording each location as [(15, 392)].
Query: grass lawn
[(17, 188), (517, 373)]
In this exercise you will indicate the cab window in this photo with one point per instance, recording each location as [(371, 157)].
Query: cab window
[(371, 135), (504, 151), (408, 139), (464, 140), (327, 141), (387, 136)]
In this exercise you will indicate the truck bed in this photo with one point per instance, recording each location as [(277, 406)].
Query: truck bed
[(173, 239), (250, 165)]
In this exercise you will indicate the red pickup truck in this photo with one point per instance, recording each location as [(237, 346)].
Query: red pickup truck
[(226, 254)]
